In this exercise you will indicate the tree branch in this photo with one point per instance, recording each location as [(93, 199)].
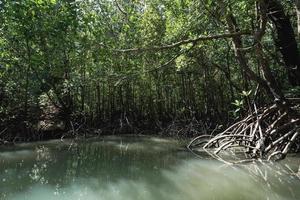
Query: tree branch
[(182, 42), (121, 9)]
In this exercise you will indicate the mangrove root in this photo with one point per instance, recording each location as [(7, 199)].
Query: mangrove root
[(266, 133)]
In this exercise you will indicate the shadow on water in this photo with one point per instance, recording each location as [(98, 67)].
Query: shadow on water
[(144, 167)]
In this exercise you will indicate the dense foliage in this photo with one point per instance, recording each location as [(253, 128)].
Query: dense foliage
[(97, 63)]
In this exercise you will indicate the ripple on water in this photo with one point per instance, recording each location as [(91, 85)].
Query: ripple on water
[(100, 170)]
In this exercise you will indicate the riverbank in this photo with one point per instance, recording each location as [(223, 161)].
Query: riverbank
[(177, 128)]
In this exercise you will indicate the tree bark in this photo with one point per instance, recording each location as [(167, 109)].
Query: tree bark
[(285, 41), (297, 3)]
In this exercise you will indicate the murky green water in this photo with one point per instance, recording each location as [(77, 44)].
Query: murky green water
[(142, 168)]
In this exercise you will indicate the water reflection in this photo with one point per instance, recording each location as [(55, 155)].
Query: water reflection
[(147, 168)]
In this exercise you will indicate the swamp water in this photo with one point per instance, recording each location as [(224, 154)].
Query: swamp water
[(136, 168)]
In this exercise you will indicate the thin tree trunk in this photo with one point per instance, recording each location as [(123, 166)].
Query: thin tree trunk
[(264, 64), (240, 55), (27, 80)]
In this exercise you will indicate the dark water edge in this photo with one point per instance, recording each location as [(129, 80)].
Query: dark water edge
[(188, 128)]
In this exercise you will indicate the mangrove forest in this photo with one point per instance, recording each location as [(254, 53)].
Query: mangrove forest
[(149, 99)]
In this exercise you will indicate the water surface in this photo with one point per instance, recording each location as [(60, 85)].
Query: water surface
[(143, 168)]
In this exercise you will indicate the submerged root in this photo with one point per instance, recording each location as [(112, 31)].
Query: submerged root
[(267, 133)]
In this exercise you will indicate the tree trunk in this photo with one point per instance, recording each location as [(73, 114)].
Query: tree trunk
[(240, 55), (27, 80), (286, 41), (270, 85), (297, 3)]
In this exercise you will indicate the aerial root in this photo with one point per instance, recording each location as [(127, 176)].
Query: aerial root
[(267, 133)]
